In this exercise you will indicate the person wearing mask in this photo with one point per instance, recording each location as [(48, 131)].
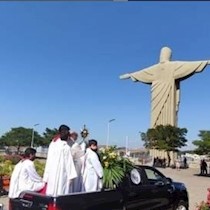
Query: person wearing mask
[(92, 168)]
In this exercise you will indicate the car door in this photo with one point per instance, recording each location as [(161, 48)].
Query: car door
[(137, 192), (160, 191)]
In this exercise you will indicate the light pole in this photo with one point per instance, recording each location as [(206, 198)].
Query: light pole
[(108, 128), (32, 137), (126, 146)]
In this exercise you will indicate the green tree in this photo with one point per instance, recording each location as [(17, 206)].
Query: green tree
[(168, 138), (203, 145), (20, 136), (48, 135)]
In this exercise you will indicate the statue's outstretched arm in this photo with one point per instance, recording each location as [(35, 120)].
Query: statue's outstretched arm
[(125, 76), (145, 75), (208, 62)]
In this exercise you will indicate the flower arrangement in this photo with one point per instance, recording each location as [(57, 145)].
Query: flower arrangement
[(115, 167)]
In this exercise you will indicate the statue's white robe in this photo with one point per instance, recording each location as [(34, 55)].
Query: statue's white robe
[(24, 177), (92, 172), (59, 169), (165, 80)]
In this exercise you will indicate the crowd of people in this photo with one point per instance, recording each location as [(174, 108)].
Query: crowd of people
[(70, 167), (159, 162), (162, 162)]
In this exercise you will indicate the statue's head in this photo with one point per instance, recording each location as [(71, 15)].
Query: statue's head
[(165, 54)]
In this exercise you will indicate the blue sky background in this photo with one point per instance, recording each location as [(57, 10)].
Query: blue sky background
[(60, 62)]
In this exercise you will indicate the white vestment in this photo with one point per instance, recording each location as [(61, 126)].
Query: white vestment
[(83, 146), (92, 172), (77, 154), (59, 168), (24, 177)]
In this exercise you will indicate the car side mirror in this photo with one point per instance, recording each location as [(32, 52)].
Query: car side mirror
[(168, 180), (159, 183)]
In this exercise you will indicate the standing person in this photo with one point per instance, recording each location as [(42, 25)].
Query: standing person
[(77, 154), (59, 170), (24, 175), (204, 164), (92, 169), (201, 167), (178, 164), (185, 162)]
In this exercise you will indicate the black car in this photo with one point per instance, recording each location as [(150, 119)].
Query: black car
[(144, 188)]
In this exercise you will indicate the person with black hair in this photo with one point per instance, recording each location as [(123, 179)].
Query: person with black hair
[(92, 169), (59, 169), (24, 176)]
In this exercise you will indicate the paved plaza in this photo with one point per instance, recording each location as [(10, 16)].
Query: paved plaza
[(196, 185)]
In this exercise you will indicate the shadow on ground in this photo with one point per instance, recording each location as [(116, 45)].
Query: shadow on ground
[(202, 175)]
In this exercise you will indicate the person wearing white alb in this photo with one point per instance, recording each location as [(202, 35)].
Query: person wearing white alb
[(77, 154), (24, 176), (92, 168), (59, 169)]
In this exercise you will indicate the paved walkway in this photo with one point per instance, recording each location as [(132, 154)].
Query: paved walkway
[(197, 186)]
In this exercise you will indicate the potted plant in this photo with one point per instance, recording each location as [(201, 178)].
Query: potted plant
[(6, 169)]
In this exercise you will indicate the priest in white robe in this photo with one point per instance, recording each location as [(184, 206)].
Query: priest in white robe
[(77, 154), (92, 169), (24, 176), (59, 168)]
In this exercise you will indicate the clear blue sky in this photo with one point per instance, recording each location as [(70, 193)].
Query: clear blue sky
[(60, 62)]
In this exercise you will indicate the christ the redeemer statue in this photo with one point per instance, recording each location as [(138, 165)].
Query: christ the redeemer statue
[(165, 78)]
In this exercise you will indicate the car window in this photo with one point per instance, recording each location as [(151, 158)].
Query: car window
[(153, 176)]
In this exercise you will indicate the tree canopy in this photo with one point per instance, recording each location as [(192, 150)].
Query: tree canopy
[(203, 144), (165, 137), (48, 135), (21, 136), (168, 138)]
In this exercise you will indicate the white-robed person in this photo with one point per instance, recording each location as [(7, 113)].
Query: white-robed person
[(77, 154), (24, 176), (92, 168), (59, 169)]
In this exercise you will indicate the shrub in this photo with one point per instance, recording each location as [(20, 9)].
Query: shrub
[(39, 167), (6, 168), (2, 158), (13, 158)]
